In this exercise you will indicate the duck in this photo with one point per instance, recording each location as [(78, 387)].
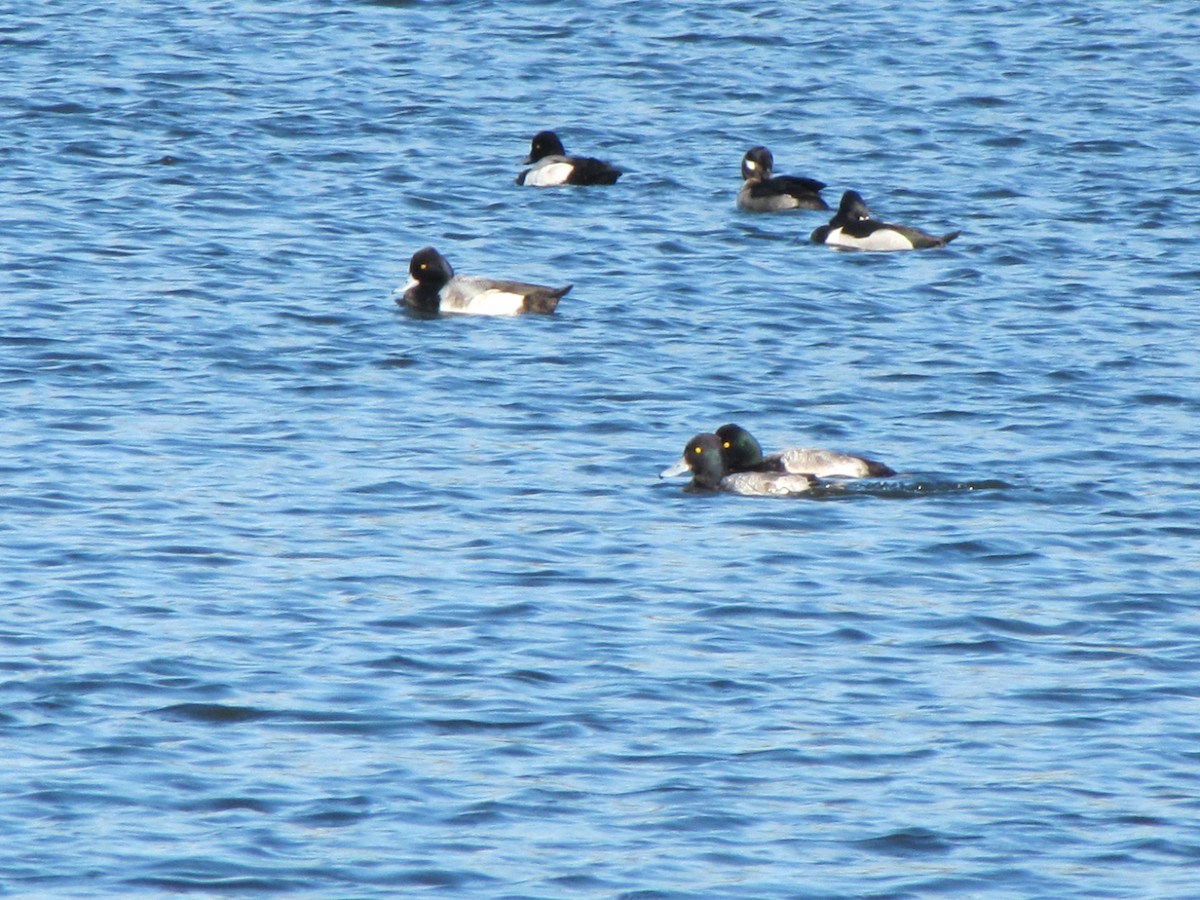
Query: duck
[(552, 166), (703, 458), (741, 452), (763, 191), (433, 288), (854, 228)]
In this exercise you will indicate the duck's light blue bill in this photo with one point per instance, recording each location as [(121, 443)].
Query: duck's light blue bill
[(679, 468)]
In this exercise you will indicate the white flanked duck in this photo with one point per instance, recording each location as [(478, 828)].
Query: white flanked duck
[(434, 289), (741, 452), (551, 166), (854, 228)]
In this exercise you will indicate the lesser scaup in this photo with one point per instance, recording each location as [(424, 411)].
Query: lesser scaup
[(763, 191), (742, 453), (434, 288), (552, 166), (853, 228), (702, 457)]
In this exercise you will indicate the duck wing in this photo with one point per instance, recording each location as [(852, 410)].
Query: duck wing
[(829, 463)]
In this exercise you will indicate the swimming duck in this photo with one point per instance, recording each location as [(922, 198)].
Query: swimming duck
[(853, 228), (763, 191), (742, 453), (434, 288), (552, 166), (702, 457)]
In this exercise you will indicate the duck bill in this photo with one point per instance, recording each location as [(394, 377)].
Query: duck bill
[(679, 468)]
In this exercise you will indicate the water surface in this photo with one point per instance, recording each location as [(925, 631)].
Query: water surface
[(306, 596)]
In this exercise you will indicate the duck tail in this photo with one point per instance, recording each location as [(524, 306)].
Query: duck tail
[(878, 469), (546, 301)]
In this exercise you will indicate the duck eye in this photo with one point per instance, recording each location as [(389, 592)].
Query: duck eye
[(725, 445), (698, 450)]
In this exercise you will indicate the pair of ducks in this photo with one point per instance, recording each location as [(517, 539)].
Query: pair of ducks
[(732, 460), (853, 227), (433, 287)]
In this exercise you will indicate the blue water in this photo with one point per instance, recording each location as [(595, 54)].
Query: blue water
[(303, 596)]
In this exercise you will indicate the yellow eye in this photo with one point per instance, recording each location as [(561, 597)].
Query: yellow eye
[(698, 450), (424, 266), (725, 446)]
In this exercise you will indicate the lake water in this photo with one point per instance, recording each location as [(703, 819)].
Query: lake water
[(304, 596)]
